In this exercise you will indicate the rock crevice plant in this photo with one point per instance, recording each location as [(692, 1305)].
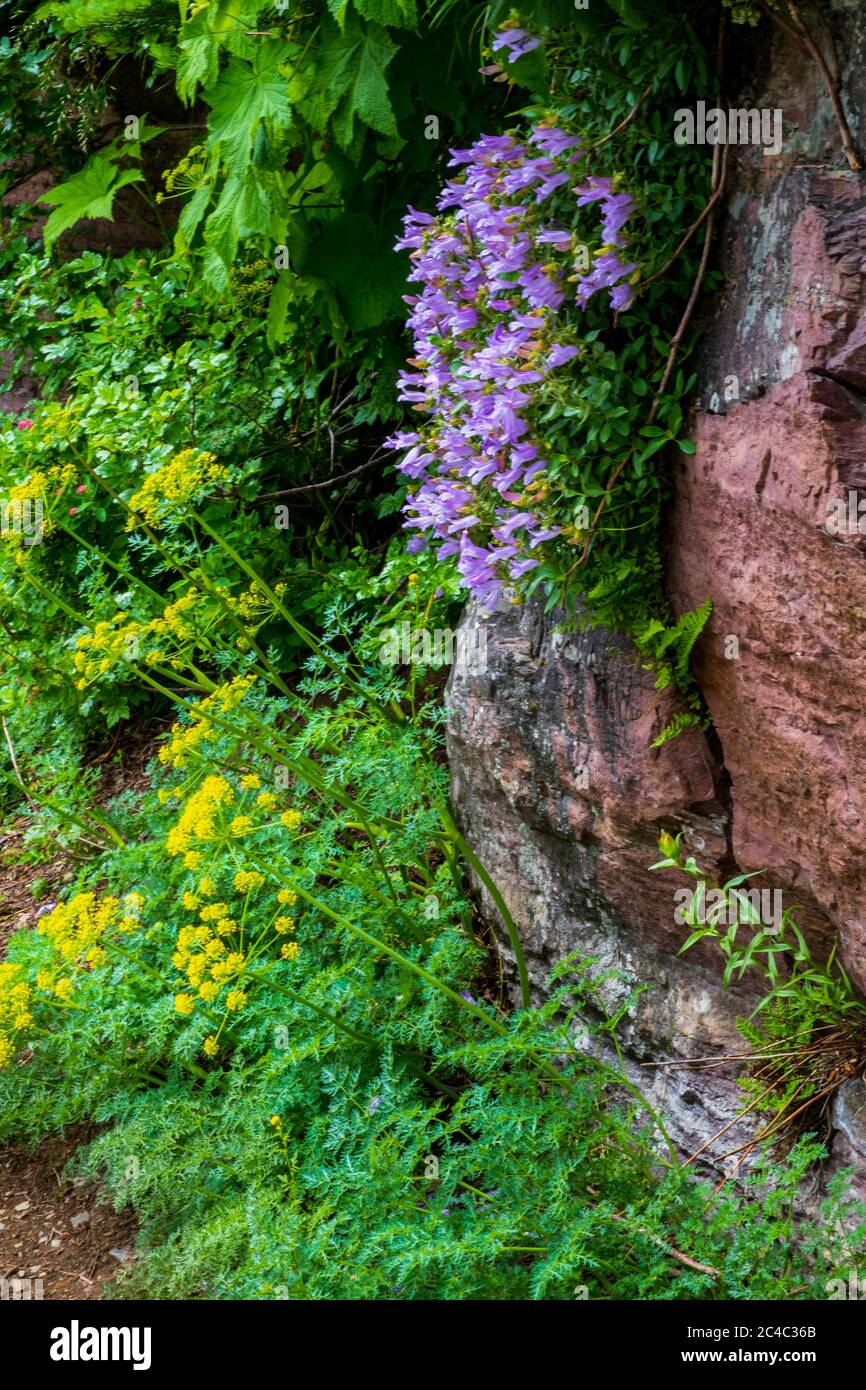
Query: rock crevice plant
[(807, 1032)]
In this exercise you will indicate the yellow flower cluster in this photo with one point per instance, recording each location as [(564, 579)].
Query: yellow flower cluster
[(201, 953), (112, 640), (27, 507), (175, 617), (185, 738), (247, 879), (191, 172), (76, 928), (197, 823), (76, 931), (210, 954), (189, 473), (121, 638), (253, 604), (15, 1015)]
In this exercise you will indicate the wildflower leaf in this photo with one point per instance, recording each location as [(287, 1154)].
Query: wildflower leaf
[(246, 95), (89, 193)]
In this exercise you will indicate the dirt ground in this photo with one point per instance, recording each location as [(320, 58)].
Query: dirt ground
[(54, 1229), (56, 1241)]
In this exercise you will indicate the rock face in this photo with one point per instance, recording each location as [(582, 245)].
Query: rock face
[(558, 790), (553, 777)]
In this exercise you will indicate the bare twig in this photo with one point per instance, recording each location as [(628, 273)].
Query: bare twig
[(672, 355), (714, 198), (670, 1249), (18, 777), (798, 30), (693, 297), (626, 121), (327, 482)]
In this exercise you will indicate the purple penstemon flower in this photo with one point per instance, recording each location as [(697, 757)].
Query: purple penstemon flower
[(493, 276), (518, 42), (554, 141)]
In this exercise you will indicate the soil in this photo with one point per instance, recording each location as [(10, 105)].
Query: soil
[(57, 1229), (121, 767), (53, 1229)]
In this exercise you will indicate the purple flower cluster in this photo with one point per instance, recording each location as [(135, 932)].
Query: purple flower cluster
[(517, 41), (487, 337)]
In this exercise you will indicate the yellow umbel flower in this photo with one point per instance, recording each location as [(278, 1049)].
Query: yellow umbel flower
[(190, 473), (15, 1016), (184, 1003), (210, 1047), (76, 930), (247, 879), (211, 912), (291, 819), (185, 739), (290, 950), (198, 816)]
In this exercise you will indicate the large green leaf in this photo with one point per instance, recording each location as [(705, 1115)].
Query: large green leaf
[(401, 14), (245, 95), (197, 64), (190, 217), (89, 193), (368, 276), (243, 209), (277, 309), (351, 77)]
